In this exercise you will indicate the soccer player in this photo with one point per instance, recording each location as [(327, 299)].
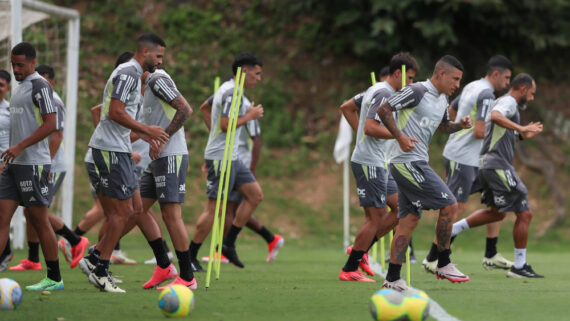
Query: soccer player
[(422, 108), (7, 255), (111, 148), (77, 244), (461, 153), (241, 177), (165, 177), (503, 190), (24, 180), (375, 189), (249, 149)]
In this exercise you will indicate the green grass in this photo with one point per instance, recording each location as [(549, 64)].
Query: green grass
[(301, 284)]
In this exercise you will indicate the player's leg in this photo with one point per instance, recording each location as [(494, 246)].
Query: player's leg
[(152, 261), (398, 248), (32, 262), (203, 227), (445, 269), (7, 209), (520, 268)]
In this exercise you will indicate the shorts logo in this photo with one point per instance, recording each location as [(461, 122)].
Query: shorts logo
[(444, 195), (182, 188), (499, 200), (124, 188), (26, 186), (162, 195), (524, 203), (160, 181), (361, 192), (105, 182), (44, 190), (460, 191), (33, 199), (417, 204), (209, 184), (383, 198)]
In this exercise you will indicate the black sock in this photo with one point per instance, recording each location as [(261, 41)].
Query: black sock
[(266, 234), (53, 270), (78, 231), (393, 272), (373, 241), (353, 261), (34, 252), (118, 245), (7, 249), (443, 258), (101, 268), (165, 246), (67, 234), (159, 253), (491, 247), (432, 255), (411, 248), (184, 262), (94, 256), (230, 239), (452, 239), (194, 248)]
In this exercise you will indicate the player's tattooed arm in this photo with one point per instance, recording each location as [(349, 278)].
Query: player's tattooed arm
[(449, 127), (183, 111), (385, 113)]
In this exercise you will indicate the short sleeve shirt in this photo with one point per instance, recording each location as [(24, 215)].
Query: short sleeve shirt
[(421, 109), (30, 100), (4, 125), (160, 91), (251, 129), (58, 163), (124, 84), (499, 143), (369, 150), (140, 146), (475, 101)]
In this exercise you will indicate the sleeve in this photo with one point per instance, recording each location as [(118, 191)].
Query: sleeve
[(163, 88), (253, 128), (484, 101), (123, 86), (211, 100), (378, 98), (445, 117), (60, 115), (358, 99), (407, 97), (455, 103), (505, 108), (42, 97), (227, 102)]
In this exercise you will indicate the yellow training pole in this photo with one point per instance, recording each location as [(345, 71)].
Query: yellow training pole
[(216, 84), (222, 170), (408, 273)]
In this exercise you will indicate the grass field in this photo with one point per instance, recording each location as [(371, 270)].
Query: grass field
[(301, 284)]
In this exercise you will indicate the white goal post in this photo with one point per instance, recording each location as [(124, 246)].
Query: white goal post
[(23, 13)]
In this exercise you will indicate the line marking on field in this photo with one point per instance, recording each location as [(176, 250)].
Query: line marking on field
[(435, 310)]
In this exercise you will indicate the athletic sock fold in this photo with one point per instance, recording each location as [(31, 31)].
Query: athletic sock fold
[(443, 258), (101, 268), (393, 272), (7, 249), (53, 270), (79, 231), (230, 239), (193, 250), (67, 234), (353, 261), (491, 247), (374, 240), (266, 234), (159, 253), (34, 252), (520, 258), (185, 267), (118, 246), (433, 253)]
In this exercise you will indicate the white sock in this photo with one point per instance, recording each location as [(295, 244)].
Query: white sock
[(459, 227), (520, 258)]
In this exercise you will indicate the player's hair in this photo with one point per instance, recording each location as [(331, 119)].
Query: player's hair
[(447, 63), (500, 63), (46, 70), (124, 57), (245, 59), (26, 49), (403, 58), (520, 80), (5, 75), (385, 71), (149, 40)]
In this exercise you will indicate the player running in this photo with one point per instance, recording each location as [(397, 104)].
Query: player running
[(503, 190), (7, 255)]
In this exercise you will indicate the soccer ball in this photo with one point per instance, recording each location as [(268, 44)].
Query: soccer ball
[(176, 301), (410, 305), (10, 294)]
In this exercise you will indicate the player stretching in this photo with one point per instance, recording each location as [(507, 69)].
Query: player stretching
[(241, 177), (503, 190), (25, 177), (461, 153), (111, 149), (422, 108), (375, 189)]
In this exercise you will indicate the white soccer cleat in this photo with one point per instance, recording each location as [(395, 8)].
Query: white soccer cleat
[(451, 273), (153, 260), (120, 257), (496, 262), (86, 266), (428, 266), (398, 285), (105, 283)]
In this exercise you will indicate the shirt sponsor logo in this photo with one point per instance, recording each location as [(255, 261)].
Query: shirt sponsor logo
[(16, 110), (429, 123), (160, 181)]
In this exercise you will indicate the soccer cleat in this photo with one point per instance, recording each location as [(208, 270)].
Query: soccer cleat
[(525, 272), (77, 251), (104, 283), (119, 257), (363, 262), (223, 258), (192, 285), (160, 275), (46, 284), (153, 260), (65, 248), (195, 266), (428, 266), (451, 273), (231, 254), (353, 276), (86, 266), (398, 285), (274, 246), (497, 262), (27, 265), (5, 259)]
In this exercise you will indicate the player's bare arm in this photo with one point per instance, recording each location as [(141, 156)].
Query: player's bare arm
[(373, 129), (449, 126), (206, 110), (149, 134), (479, 129), (183, 111), (255, 152), (54, 142), (96, 114), (350, 112), (255, 112), (47, 127), (385, 113), (528, 131)]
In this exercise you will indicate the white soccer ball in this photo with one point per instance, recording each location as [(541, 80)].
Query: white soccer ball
[(10, 294)]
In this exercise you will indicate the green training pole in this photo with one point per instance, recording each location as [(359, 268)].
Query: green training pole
[(216, 84), (373, 77), (222, 170), (233, 127), (374, 248), (408, 272)]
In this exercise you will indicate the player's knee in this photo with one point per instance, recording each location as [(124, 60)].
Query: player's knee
[(256, 198), (525, 216)]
